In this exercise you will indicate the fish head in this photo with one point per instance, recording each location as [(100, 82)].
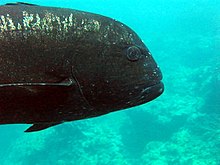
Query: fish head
[(134, 72), (124, 73)]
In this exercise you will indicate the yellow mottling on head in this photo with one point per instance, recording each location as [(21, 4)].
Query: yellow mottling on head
[(97, 25), (65, 25), (10, 23), (4, 24), (1, 25), (27, 19), (46, 24), (19, 26), (58, 23), (91, 25), (36, 25), (71, 20)]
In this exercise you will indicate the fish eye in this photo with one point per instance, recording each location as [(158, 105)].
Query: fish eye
[(133, 53)]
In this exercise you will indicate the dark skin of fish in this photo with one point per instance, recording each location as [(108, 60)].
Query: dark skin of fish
[(59, 65)]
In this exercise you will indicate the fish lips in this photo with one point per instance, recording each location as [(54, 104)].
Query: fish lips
[(151, 92)]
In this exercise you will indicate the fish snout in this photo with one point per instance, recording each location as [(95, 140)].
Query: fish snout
[(154, 86)]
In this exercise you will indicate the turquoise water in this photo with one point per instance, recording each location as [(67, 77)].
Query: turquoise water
[(181, 127)]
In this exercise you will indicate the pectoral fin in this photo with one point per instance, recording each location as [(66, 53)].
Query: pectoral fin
[(65, 82), (39, 127)]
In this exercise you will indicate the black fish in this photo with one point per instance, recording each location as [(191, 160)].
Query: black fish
[(59, 65)]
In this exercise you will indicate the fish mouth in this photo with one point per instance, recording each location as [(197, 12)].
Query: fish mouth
[(150, 92)]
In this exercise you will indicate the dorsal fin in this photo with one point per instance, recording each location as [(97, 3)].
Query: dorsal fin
[(21, 3)]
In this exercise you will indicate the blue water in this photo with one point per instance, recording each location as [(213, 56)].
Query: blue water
[(181, 127)]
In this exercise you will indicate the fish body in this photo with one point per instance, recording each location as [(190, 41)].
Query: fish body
[(59, 65)]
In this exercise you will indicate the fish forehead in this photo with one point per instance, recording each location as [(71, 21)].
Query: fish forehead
[(37, 21)]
